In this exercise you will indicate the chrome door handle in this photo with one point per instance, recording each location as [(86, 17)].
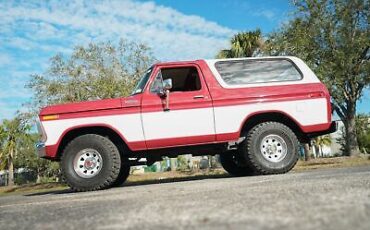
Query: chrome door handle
[(198, 97)]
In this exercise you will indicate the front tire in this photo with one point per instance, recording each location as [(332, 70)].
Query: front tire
[(270, 148), (90, 162), (123, 173)]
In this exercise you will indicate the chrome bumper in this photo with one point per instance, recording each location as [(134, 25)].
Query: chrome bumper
[(40, 146)]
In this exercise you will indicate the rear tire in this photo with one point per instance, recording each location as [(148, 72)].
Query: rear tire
[(90, 162), (232, 164), (270, 148)]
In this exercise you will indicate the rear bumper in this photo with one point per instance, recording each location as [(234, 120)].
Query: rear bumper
[(332, 128)]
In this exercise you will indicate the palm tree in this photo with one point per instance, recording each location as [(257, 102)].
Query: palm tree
[(2, 144), (321, 141), (244, 44), (2, 140), (10, 133)]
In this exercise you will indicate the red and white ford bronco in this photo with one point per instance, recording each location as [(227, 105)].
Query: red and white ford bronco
[(254, 112)]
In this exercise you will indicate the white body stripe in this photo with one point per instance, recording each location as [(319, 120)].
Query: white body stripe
[(191, 122), (178, 123), (128, 125), (307, 112), (308, 75)]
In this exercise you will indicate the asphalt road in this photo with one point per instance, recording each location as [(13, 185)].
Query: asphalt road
[(320, 199)]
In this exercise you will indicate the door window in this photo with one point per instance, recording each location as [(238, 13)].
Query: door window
[(184, 79)]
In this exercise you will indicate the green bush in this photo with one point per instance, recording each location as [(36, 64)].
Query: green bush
[(182, 164)]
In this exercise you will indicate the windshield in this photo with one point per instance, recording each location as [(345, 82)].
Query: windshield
[(141, 84)]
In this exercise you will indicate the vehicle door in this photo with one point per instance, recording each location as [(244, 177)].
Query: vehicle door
[(183, 116)]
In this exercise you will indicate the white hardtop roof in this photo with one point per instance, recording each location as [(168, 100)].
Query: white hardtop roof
[(251, 58)]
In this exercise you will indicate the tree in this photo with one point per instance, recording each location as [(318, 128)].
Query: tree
[(321, 141), (97, 71), (363, 132), (12, 131), (2, 144), (27, 158), (332, 36), (244, 44)]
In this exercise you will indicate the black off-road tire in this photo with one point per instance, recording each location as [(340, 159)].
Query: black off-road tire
[(111, 163), (123, 173), (251, 148), (231, 163)]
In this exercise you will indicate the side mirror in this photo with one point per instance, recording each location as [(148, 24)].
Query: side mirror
[(167, 85)]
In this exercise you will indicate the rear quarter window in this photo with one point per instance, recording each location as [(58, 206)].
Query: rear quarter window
[(242, 72)]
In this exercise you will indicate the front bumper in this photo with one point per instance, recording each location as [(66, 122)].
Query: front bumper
[(41, 149), (333, 128)]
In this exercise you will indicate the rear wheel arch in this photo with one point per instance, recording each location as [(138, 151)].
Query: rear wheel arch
[(274, 116)]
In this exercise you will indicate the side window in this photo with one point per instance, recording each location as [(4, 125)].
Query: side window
[(243, 72), (183, 79)]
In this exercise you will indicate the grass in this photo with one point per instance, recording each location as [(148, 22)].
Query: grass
[(32, 188), (335, 162), (165, 177)]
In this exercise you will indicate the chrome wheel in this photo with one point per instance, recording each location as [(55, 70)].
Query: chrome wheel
[(87, 163), (273, 148)]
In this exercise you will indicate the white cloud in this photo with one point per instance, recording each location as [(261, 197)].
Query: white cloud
[(21, 43), (12, 86), (5, 59), (33, 31), (185, 36), (266, 13), (7, 110), (261, 10)]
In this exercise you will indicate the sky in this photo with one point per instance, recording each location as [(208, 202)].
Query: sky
[(31, 32)]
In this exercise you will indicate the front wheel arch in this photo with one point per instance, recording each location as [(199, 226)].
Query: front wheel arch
[(105, 131)]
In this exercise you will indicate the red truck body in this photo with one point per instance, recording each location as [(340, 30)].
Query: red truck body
[(213, 113)]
